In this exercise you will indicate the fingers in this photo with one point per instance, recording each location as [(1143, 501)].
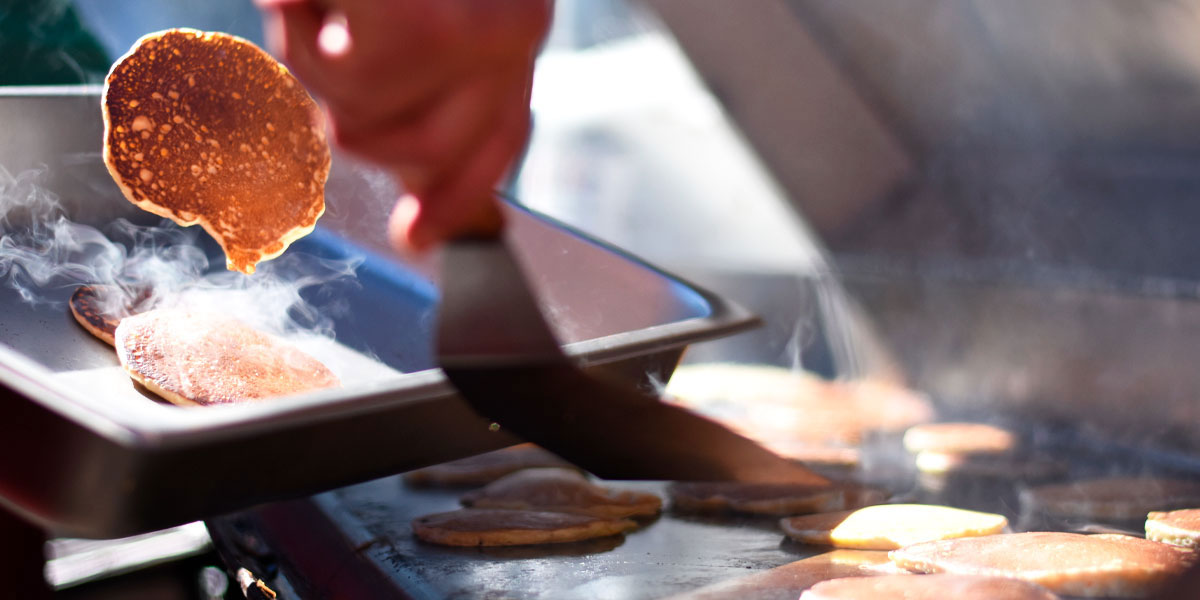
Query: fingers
[(434, 135), (463, 202)]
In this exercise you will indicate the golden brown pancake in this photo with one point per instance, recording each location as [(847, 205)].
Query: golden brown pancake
[(775, 499), (781, 407), (789, 581), (1065, 563), (1178, 527), (485, 468), (890, 526), (493, 527), (959, 438), (927, 587), (1117, 498), (562, 490), (100, 308), (206, 128), (191, 358)]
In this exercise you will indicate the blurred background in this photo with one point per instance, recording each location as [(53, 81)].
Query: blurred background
[(1007, 187)]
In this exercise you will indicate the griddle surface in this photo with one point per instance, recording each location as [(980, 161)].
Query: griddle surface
[(669, 555)]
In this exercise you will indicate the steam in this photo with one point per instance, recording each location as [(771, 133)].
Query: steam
[(43, 254)]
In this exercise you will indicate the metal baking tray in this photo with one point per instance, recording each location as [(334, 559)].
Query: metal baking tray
[(86, 455)]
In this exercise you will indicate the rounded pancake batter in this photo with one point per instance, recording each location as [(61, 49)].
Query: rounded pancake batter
[(1178, 527)]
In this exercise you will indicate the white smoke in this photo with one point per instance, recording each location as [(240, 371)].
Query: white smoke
[(43, 253)]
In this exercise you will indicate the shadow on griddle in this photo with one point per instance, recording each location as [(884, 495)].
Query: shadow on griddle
[(145, 391), (730, 519), (581, 548)]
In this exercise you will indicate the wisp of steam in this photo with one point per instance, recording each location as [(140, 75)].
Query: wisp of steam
[(44, 256)]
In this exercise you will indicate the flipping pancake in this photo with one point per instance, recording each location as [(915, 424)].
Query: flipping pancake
[(1117, 498), (789, 581), (485, 468), (489, 527), (207, 128), (927, 587), (562, 490), (890, 526), (100, 308), (192, 358), (1065, 563), (1178, 527)]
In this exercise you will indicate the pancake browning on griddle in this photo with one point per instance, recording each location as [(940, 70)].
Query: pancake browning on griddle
[(562, 490), (100, 308), (485, 468), (927, 587), (1178, 527), (1067, 563), (493, 527), (890, 526), (206, 128), (191, 358)]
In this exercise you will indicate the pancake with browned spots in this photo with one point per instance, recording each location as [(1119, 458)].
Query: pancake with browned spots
[(191, 358), (207, 128)]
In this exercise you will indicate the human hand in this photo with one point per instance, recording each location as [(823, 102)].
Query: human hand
[(437, 91)]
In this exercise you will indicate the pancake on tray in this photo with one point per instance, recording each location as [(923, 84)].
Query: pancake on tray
[(561, 490), (485, 468), (207, 128), (1114, 498), (927, 587), (100, 308), (1065, 563), (193, 358), (495, 527), (789, 409), (789, 581), (1178, 527), (890, 526)]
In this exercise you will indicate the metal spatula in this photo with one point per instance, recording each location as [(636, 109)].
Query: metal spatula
[(497, 350)]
